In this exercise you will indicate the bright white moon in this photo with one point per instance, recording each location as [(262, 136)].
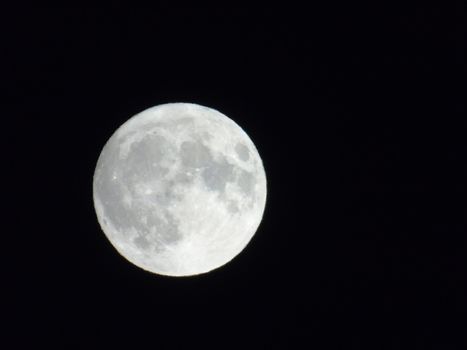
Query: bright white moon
[(179, 189)]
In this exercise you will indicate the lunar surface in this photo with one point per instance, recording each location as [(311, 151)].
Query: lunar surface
[(179, 189)]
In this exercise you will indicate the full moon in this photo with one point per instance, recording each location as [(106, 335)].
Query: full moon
[(179, 189)]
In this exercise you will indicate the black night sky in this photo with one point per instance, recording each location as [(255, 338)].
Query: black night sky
[(358, 112)]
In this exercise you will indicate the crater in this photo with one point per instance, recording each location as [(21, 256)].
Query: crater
[(232, 207), (166, 228), (242, 151), (206, 136), (141, 242), (178, 123), (145, 158), (246, 182), (184, 178), (195, 154), (111, 195), (217, 174)]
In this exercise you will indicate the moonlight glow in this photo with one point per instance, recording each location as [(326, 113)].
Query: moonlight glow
[(179, 189)]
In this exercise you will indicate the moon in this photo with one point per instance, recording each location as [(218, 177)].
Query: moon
[(179, 189)]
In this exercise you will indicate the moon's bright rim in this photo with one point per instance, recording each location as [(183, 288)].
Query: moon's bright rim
[(179, 189)]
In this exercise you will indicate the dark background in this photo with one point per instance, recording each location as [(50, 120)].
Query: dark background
[(358, 112)]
